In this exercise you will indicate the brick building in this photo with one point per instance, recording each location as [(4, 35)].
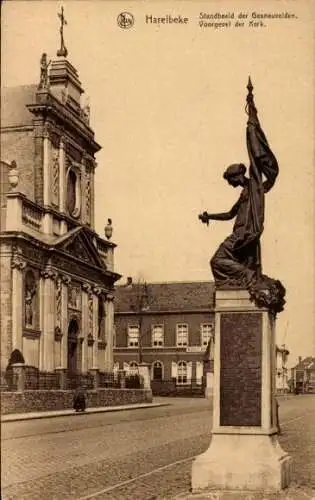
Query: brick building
[(303, 375), (57, 274), (172, 329)]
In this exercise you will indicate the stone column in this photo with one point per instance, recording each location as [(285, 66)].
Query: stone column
[(109, 332), (244, 454), (62, 183), (47, 220), (41, 322), (64, 321), (95, 331), (83, 197), (17, 265), (48, 332), (93, 196), (86, 291)]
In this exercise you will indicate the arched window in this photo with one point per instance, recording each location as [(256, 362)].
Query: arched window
[(157, 370), (30, 299), (182, 372)]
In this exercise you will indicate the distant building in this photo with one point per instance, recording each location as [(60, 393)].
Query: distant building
[(172, 330), (303, 375), (282, 375), (57, 274)]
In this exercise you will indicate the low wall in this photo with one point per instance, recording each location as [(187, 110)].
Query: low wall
[(31, 401)]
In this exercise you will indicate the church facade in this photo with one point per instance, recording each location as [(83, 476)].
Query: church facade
[(57, 273)]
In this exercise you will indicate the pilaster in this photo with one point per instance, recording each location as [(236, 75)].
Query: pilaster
[(62, 183), (109, 331), (48, 333), (64, 320), (95, 364), (86, 291), (17, 265)]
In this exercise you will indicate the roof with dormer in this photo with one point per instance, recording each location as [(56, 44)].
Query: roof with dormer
[(168, 296)]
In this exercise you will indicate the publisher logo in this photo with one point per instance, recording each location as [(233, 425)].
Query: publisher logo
[(125, 20)]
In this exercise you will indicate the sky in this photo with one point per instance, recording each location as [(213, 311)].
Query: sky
[(167, 105)]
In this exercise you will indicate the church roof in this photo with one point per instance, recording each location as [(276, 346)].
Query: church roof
[(169, 296), (14, 112)]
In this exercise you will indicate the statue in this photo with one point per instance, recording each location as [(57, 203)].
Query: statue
[(62, 52), (29, 296), (44, 78), (237, 262)]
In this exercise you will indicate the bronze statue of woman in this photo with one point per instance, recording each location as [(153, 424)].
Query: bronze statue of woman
[(237, 262)]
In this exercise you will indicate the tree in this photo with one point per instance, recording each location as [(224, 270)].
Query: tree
[(141, 301)]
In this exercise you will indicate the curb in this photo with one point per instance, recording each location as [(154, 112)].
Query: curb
[(14, 417)]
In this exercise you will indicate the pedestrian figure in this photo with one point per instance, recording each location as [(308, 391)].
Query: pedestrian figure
[(79, 400)]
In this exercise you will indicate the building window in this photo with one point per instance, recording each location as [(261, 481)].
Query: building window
[(157, 335), (182, 373), (206, 333), (157, 370), (133, 336), (181, 334)]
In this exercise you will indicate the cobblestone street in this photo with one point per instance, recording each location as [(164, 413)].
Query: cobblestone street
[(140, 454)]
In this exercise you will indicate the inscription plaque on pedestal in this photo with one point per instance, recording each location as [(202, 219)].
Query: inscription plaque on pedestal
[(240, 371)]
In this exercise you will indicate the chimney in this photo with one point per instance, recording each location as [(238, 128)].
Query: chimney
[(129, 281), (300, 359)]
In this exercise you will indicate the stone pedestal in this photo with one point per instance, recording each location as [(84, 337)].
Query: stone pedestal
[(18, 376), (122, 379), (62, 373), (244, 453), (95, 373)]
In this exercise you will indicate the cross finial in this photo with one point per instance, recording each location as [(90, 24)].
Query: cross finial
[(62, 52)]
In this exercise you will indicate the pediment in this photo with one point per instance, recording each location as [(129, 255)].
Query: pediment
[(79, 244)]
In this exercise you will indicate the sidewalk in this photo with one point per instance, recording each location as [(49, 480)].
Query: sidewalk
[(14, 417), (291, 493)]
